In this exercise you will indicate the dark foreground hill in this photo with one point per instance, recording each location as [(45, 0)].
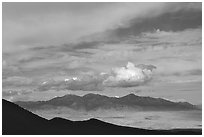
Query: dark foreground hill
[(16, 120), (91, 102)]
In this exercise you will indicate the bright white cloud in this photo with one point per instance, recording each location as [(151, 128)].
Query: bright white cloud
[(130, 75)]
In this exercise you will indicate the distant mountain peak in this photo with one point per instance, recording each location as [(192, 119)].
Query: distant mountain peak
[(130, 95), (91, 95), (93, 102)]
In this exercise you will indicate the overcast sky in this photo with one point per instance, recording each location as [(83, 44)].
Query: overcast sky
[(46, 43)]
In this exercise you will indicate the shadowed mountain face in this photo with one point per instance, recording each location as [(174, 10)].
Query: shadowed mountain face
[(91, 102), (17, 120)]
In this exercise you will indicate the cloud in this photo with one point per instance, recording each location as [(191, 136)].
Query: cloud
[(174, 17), (175, 53), (31, 48), (130, 75), (16, 81), (85, 82), (176, 21), (187, 37), (196, 72), (67, 22), (11, 93), (8, 69)]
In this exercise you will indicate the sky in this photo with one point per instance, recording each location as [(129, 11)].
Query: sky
[(53, 49)]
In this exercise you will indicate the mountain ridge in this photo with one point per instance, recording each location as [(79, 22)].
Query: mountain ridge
[(92, 102)]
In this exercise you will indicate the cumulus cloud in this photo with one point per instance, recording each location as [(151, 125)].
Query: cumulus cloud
[(130, 75)]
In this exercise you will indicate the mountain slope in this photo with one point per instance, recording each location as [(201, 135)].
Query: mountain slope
[(91, 102), (18, 121)]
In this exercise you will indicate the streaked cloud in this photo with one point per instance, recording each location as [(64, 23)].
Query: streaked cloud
[(63, 23), (16, 81)]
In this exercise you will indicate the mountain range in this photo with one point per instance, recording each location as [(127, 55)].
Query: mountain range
[(18, 121), (92, 102)]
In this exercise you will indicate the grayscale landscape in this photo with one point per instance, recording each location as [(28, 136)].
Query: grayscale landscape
[(135, 65)]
